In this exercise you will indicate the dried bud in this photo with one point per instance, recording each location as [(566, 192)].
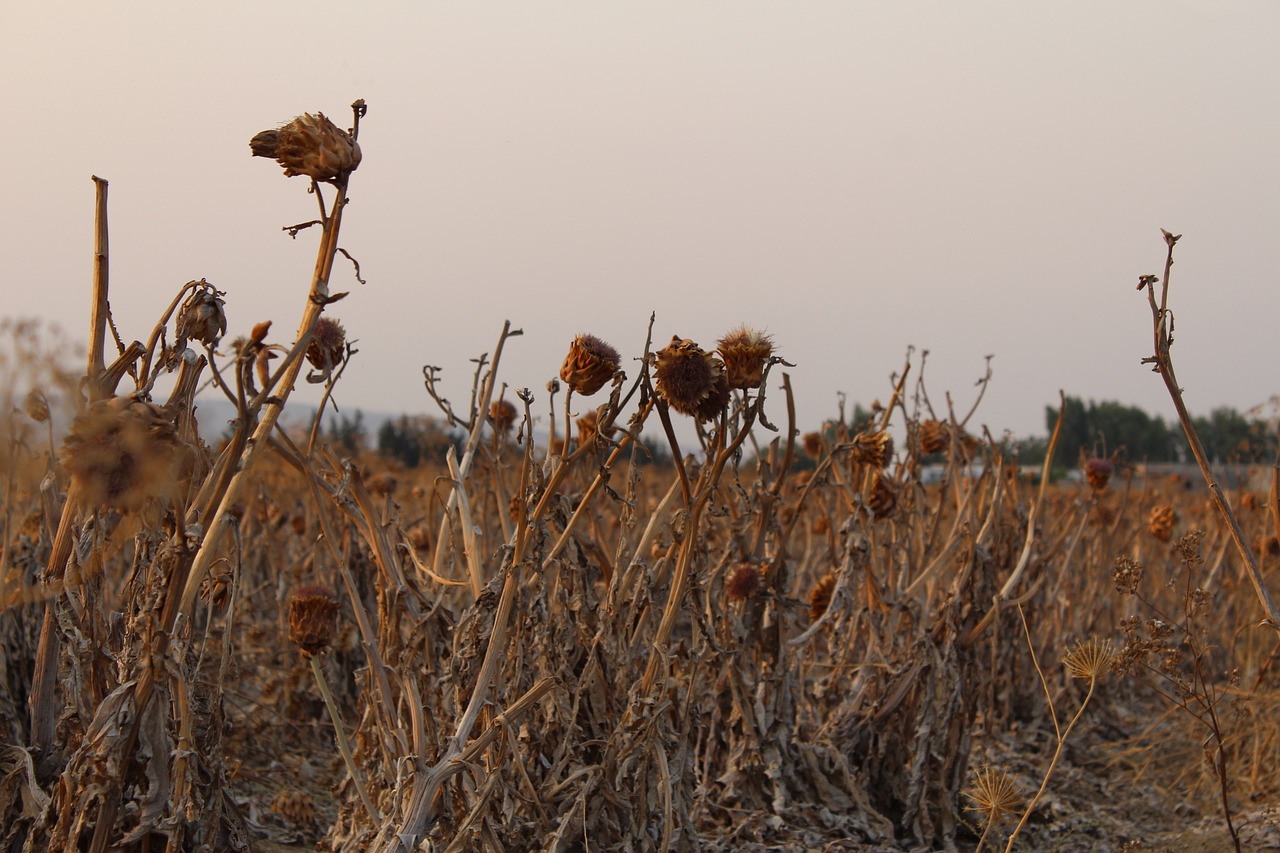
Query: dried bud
[(873, 448), (122, 454), (745, 352), (589, 365), (744, 582), (935, 437), (1160, 524), (687, 375), (820, 596), (309, 145), (313, 618), (201, 317), (36, 405), (328, 345), (1098, 473), (502, 414)]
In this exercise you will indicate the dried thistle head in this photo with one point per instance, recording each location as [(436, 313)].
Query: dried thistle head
[(744, 582), (202, 316), (820, 596), (745, 352), (589, 364), (812, 443), (1098, 473), (36, 405), (122, 454), (383, 484), (934, 437), (993, 794), (588, 427), (1161, 521), (1089, 659), (690, 379), (313, 618), (297, 807), (502, 414), (873, 448), (884, 497), (328, 345), (309, 145)]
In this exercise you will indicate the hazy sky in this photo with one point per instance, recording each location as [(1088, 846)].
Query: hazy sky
[(968, 178)]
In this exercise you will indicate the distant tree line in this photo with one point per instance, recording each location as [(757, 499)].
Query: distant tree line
[(1111, 428)]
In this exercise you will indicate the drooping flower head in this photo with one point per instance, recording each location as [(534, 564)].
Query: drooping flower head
[(589, 365), (313, 618), (309, 145)]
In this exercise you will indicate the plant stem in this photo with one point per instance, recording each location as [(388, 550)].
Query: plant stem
[(343, 744)]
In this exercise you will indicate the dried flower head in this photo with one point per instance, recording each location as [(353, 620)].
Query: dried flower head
[(820, 596), (383, 484), (297, 807), (1098, 473), (420, 537), (1249, 500), (588, 427), (744, 582), (745, 352), (873, 448), (1160, 523), (1127, 575), (884, 497), (36, 405), (202, 316), (328, 345), (1090, 659), (299, 524), (502, 414), (122, 454), (934, 436), (215, 589), (687, 375), (309, 145), (993, 794), (589, 364), (313, 618), (812, 442)]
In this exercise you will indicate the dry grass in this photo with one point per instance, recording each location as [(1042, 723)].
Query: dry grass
[(551, 645)]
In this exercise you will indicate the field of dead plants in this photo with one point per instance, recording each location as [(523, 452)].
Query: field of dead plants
[(782, 638)]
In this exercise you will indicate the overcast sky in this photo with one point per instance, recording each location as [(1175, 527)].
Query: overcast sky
[(967, 178)]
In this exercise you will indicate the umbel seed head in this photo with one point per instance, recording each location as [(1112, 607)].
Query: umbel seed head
[(690, 379), (745, 352), (589, 365), (313, 618), (309, 145)]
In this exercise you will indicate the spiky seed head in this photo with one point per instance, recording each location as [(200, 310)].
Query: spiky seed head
[(589, 364), (934, 436), (1161, 521), (328, 345), (687, 375), (820, 596), (502, 414), (715, 402), (313, 618), (202, 316), (744, 582), (873, 448), (123, 454), (309, 145), (993, 794), (1098, 473), (745, 352), (36, 405), (1089, 659)]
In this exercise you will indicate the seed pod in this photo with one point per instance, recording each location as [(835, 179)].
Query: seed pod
[(309, 145), (589, 364), (313, 618), (745, 352)]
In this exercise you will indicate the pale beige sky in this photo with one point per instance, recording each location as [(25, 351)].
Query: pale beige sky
[(856, 177)]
